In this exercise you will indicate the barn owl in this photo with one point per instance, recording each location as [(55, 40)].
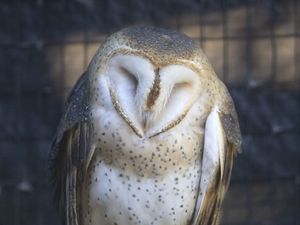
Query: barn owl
[(148, 135)]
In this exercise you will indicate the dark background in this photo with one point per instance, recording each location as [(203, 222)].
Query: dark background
[(253, 45)]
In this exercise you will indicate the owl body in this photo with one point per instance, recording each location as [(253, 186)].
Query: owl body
[(148, 135), (135, 180)]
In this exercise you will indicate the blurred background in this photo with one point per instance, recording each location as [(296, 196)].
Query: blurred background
[(253, 46)]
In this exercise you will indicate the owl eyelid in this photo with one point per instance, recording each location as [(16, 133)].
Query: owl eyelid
[(183, 84), (126, 71), (129, 74)]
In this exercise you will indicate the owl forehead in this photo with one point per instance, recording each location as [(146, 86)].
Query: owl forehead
[(160, 46), (159, 43)]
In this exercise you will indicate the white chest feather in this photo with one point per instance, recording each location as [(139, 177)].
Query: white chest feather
[(133, 180)]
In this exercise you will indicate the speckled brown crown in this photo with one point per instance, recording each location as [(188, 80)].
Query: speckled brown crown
[(161, 45)]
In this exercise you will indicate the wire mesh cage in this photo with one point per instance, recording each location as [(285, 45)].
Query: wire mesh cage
[(253, 46)]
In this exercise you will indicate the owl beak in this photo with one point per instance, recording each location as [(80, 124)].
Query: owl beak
[(150, 101), (154, 92)]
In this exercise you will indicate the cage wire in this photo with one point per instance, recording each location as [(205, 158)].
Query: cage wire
[(253, 45)]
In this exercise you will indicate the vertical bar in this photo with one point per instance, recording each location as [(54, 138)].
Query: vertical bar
[(225, 41), (61, 88), (85, 39), (107, 11), (154, 14), (41, 49), (248, 56), (16, 199), (17, 99), (177, 19), (273, 180), (296, 5), (273, 70), (17, 78), (297, 40), (40, 210), (129, 12), (202, 30)]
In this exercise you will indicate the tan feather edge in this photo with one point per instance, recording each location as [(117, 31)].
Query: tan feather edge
[(119, 109), (74, 179), (215, 196), (213, 202)]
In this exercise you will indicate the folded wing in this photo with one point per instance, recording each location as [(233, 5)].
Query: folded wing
[(221, 143), (70, 150)]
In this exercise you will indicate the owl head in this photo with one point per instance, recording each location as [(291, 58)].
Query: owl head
[(153, 76)]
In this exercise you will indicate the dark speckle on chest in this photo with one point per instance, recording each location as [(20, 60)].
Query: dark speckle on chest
[(134, 180), (149, 157)]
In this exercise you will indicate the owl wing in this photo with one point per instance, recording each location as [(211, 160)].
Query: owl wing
[(222, 141), (70, 150)]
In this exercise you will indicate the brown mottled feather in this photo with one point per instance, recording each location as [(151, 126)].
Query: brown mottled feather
[(213, 200), (154, 93), (69, 150)]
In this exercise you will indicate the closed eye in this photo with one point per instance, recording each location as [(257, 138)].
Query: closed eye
[(182, 85), (179, 90), (132, 80)]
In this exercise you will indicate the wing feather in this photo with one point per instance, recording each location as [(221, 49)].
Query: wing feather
[(221, 143), (70, 149)]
